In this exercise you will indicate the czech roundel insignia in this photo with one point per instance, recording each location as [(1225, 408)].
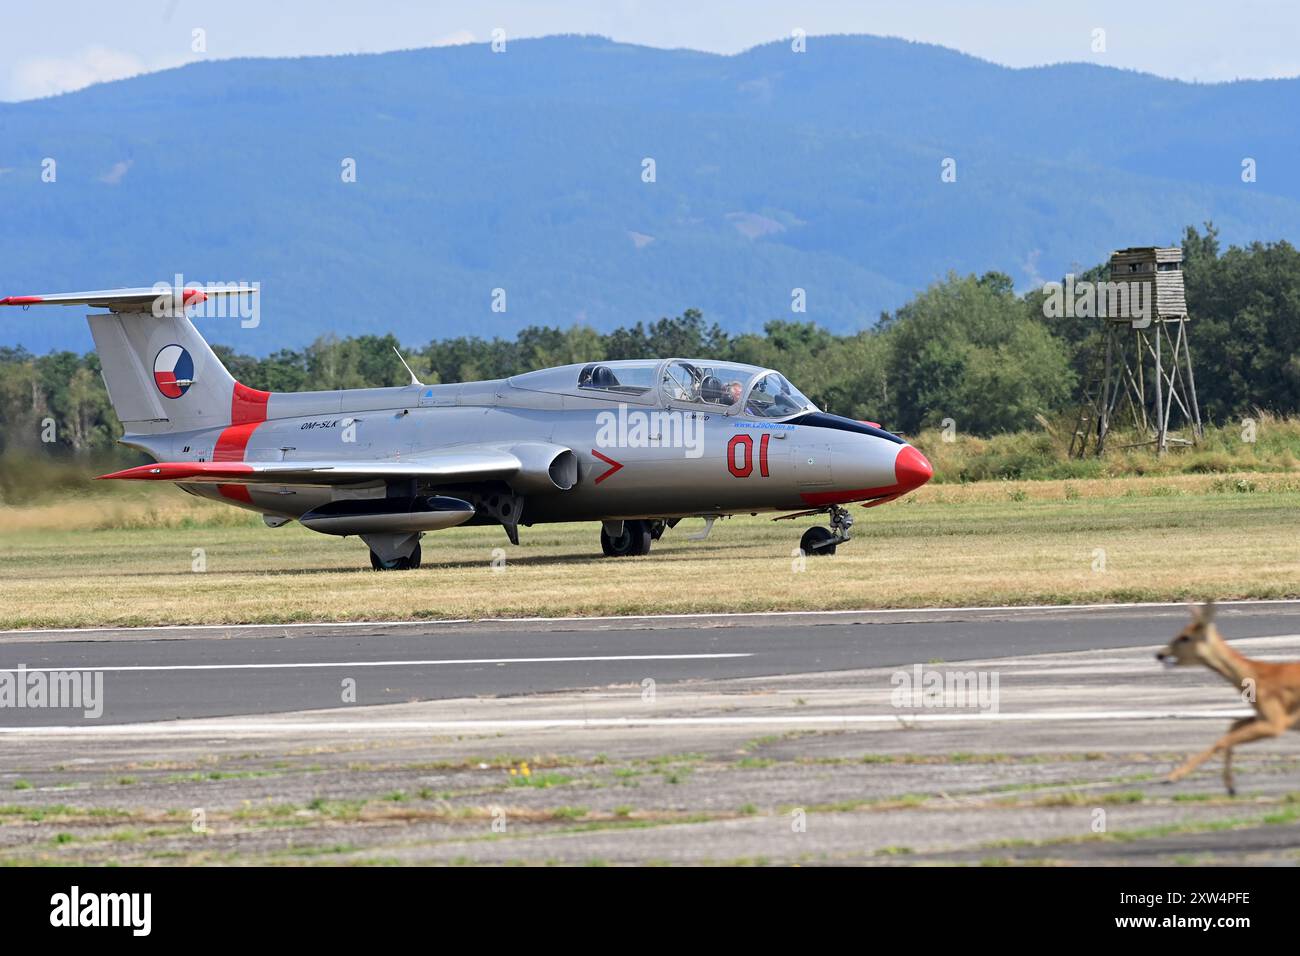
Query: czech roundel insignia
[(173, 371)]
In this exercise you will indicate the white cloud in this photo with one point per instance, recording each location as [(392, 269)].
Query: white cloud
[(47, 76), (114, 175), (454, 39)]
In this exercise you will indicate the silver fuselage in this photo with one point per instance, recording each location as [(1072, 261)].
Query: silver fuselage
[(676, 459)]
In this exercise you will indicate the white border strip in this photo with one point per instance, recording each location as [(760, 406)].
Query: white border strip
[(698, 616), (234, 727)]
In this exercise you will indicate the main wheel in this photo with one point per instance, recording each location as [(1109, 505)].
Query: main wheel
[(397, 564), (817, 541), (635, 540)]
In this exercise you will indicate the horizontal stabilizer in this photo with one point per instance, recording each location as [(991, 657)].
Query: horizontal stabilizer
[(133, 300)]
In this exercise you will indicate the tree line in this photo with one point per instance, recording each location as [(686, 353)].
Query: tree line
[(967, 348)]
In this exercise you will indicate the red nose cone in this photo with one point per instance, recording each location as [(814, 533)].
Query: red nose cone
[(911, 469)]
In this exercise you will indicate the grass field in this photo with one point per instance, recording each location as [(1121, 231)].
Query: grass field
[(132, 559)]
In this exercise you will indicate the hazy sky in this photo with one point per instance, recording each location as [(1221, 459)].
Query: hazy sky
[(58, 45)]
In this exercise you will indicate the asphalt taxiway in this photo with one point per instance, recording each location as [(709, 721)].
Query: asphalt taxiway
[(156, 674)]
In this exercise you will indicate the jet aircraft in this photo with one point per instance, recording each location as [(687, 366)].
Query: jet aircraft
[(634, 445)]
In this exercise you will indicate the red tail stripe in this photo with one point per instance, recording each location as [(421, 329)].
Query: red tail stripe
[(233, 442), (247, 411), (248, 405)]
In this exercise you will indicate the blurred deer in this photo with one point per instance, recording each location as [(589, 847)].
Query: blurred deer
[(1272, 689)]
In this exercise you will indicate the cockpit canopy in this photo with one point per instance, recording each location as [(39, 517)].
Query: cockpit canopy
[(728, 387)]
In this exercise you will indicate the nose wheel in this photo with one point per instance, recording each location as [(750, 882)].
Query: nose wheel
[(822, 541)]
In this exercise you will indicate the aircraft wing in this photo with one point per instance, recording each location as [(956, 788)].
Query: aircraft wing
[(480, 464)]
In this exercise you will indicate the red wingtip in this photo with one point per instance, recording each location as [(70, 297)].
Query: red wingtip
[(142, 471), (21, 300), (181, 470)]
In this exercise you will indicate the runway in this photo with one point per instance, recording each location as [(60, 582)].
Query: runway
[(173, 673), (728, 739)]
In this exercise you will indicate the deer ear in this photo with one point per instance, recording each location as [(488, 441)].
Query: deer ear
[(1207, 613)]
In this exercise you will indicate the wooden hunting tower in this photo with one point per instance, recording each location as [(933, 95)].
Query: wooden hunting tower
[(1143, 358)]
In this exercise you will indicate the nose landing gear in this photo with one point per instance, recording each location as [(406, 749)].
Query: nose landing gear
[(822, 541)]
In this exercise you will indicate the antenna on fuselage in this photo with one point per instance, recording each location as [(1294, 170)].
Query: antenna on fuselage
[(414, 380)]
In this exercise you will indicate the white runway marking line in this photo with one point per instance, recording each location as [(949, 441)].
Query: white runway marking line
[(1263, 602), (1042, 661), (226, 728), (430, 663)]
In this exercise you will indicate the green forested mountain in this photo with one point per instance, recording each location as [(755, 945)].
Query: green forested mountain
[(523, 171)]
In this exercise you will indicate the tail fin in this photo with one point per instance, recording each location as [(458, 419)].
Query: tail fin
[(160, 373), (160, 370)]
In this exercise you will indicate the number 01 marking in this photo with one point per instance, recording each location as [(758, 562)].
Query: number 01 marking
[(745, 468)]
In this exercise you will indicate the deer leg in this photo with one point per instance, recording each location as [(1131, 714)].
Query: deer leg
[(1227, 756), (1254, 728)]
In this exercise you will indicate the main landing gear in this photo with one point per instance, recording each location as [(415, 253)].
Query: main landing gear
[(822, 541), (408, 563), (394, 551), (624, 539)]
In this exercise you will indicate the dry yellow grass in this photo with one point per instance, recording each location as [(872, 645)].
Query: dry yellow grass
[(996, 542), (163, 508)]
